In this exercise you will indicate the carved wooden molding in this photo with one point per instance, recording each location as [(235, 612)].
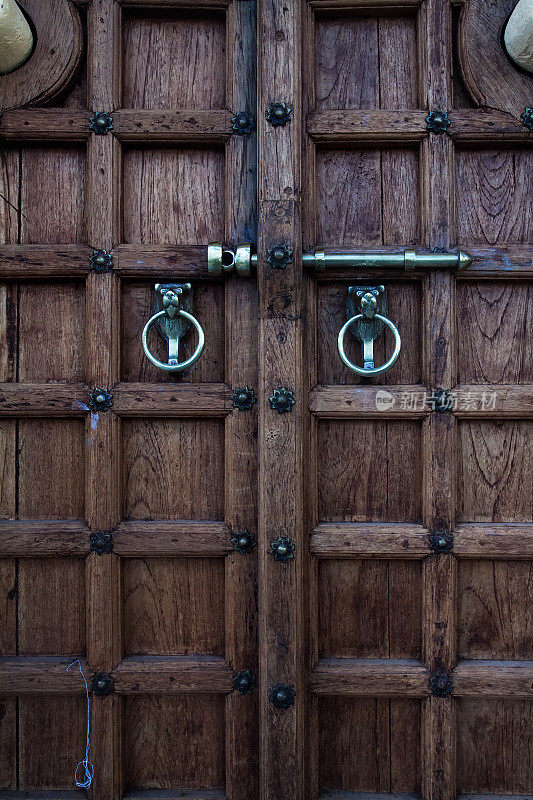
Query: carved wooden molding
[(54, 62), (489, 76)]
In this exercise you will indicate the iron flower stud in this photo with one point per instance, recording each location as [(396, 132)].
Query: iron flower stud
[(101, 122), (279, 256), (100, 400), (102, 684), (278, 114), (440, 683), (243, 398), (101, 261), (527, 118), (441, 542), (243, 541), (437, 121), (244, 682), (243, 123), (282, 549), (282, 400), (101, 542), (281, 695)]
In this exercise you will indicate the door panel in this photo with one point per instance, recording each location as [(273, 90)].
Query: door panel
[(167, 475)]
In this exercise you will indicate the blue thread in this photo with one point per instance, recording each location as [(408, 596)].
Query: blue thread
[(86, 764)]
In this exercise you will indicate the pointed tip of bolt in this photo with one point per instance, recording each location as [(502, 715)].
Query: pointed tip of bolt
[(465, 259)]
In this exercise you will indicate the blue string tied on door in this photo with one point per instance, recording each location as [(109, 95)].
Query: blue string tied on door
[(84, 768)]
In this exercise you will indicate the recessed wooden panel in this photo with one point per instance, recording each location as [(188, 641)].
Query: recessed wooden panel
[(174, 742), (369, 471), (370, 608), (497, 468), (8, 607), (403, 308), (174, 61), (51, 740), (9, 191), (496, 609), (495, 746), (8, 742), (173, 605), (494, 321), (173, 196), (7, 468), (368, 744), (137, 300), (52, 195), (493, 196), (51, 606), (51, 332), (366, 62), (368, 197), (51, 468), (173, 469)]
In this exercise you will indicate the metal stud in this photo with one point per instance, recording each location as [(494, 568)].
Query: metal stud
[(243, 541), (279, 256), (101, 261), (244, 682), (282, 400), (102, 684), (440, 683), (282, 549), (441, 400), (527, 118), (243, 123), (437, 122), (441, 542), (243, 398), (100, 400), (101, 122), (281, 695), (278, 114), (101, 542)]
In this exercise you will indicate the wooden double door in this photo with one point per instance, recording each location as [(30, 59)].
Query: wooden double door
[(389, 654)]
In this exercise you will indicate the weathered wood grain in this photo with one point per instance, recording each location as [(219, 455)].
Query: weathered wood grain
[(494, 746), (495, 620), (171, 539), (140, 675), (188, 126), (496, 471), (370, 743), (194, 217), (371, 540), (388, 628), (160, 454), (369, 678), (173, 60), (194, 727), (160, 613), (367, 402), (356, 486)]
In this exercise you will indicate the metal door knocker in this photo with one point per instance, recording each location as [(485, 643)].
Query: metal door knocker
[(368, 326), (173, 321)]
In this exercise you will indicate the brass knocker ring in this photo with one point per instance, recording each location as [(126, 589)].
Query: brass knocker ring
[(367, 370), (172, 329)]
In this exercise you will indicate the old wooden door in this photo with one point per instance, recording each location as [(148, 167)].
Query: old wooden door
[(403, 623), (386, 651), (165, 622)]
